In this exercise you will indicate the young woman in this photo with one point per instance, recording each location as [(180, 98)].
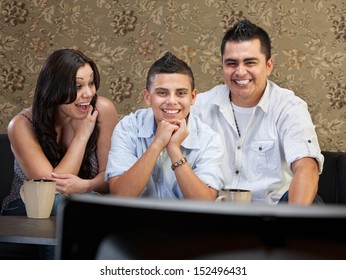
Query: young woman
[(65, 135)]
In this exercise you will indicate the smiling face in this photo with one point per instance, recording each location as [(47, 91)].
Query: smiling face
[(245, 71), (170, 96), (86, 90)]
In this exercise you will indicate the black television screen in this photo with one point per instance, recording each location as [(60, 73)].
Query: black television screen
[(106, 227)]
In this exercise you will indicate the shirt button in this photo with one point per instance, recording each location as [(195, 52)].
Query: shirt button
[(260, 148), (309, 141), (238, 148), (237, 172)]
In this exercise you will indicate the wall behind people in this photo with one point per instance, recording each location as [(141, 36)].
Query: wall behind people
[(125, 37)]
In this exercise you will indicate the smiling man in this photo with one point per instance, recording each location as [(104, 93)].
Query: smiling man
[(271, 144), (164, 151)]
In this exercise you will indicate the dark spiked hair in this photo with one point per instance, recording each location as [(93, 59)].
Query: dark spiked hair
[(169, 64)]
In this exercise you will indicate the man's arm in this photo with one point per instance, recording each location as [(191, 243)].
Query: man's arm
[(137, 176), (304, 185), (190, 184)]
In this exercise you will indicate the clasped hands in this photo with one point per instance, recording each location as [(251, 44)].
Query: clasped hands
[(171, 134)]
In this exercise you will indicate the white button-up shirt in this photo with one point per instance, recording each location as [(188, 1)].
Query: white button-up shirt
[(279, 132)]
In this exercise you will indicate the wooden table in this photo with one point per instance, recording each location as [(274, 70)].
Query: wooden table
[(24, 230)]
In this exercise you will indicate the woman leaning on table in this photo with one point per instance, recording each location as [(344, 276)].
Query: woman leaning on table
[(65, 134)]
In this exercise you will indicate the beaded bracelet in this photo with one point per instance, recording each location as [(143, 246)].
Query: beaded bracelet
[(178, 163)]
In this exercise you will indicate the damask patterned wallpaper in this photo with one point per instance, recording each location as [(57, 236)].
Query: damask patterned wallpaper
[(124, 37)]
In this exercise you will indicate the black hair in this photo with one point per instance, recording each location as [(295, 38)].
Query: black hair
[(245, 30), (169, 64)]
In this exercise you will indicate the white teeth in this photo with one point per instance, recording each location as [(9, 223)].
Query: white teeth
[(84, 104), (242, 82), (171, 111)]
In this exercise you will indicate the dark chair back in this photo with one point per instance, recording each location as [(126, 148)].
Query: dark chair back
[(332, 183), (6, 166)]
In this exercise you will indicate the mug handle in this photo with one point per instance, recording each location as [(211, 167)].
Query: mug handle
[(220, 198), (21, 192)]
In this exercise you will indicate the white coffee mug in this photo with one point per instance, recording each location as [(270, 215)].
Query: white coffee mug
[(38, 197), (235, 195)]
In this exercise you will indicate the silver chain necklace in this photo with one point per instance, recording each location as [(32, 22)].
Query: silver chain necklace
[(235, 119)]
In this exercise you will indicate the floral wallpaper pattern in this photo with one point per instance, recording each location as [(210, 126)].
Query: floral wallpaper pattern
[(125, 37)]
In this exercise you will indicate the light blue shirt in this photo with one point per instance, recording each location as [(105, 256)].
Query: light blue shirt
[(279, 132), (134, 134)]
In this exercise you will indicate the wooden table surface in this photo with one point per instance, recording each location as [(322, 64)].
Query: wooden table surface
[(21, 229)]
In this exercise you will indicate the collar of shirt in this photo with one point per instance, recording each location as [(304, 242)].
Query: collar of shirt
[(264, 101), (221, 97)]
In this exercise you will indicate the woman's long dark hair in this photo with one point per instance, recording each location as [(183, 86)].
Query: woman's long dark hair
[(56, 85)]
